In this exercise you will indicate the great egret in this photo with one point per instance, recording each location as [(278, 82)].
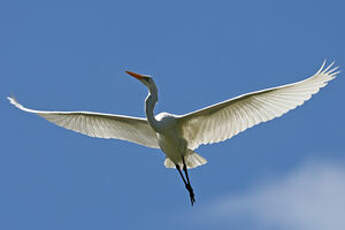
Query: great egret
[(179, 135)]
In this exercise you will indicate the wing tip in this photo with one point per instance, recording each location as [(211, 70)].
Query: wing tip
[(328, 69), (327, 72), (13, 101)]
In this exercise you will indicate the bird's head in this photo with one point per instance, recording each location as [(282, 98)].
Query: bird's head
[(145, 79)]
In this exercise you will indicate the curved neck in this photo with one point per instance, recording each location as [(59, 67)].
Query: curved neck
[(150, 103)]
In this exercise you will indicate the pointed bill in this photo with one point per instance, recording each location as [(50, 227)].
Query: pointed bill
[(136, 75)]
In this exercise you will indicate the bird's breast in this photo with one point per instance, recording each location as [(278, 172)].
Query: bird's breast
[(171, 146)]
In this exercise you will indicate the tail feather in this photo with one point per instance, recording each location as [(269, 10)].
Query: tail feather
[(192, 160), (168, 163)]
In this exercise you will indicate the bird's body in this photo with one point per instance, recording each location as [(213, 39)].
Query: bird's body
[(179, 135), (173, 145), (169, 139)]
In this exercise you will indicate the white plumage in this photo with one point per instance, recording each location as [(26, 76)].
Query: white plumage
[(102, 125), (226, 119), (179, 135)]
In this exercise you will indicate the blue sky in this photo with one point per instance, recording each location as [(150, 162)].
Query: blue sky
[(71, 55)]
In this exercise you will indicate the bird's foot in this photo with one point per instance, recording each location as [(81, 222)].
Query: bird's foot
[(191, 193)]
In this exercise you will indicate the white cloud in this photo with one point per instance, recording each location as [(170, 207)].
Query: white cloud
[(311, 197)]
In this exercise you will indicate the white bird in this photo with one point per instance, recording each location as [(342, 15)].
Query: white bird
[(179, 135)]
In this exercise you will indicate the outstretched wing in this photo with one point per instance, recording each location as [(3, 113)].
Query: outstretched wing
[(226, 119), (132, 129)]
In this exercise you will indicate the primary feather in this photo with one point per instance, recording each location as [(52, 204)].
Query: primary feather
[(226, 119), (102, 125)]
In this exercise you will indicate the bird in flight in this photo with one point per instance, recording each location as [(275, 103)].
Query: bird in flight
[(179, 135)]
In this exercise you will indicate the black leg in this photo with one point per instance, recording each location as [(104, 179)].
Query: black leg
[(179, 170), (185, 170), (188, 185)]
